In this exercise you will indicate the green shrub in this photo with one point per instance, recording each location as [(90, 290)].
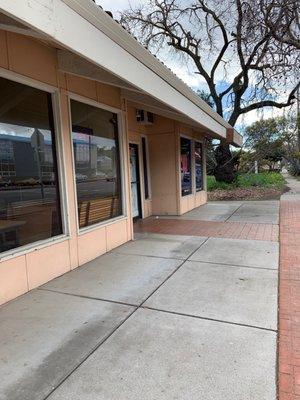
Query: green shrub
[(212, 184), (263, 179)]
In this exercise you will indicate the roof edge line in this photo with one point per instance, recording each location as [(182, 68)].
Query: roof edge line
[(116, 33)]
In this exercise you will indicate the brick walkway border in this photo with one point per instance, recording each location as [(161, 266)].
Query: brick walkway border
[(289, 300), (230, 230)]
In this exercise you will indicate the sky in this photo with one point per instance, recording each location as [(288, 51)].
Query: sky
[(187, 72), (182, 71), (116, 5)]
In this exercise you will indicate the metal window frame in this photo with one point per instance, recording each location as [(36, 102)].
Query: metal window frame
[(55, 96), (101, 106), (192, 166), (149, 198), (202, 154)]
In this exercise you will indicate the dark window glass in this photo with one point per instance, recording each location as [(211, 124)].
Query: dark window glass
[(199, 166), (145, 167), (29, 189), (97, 163), (186, 180)]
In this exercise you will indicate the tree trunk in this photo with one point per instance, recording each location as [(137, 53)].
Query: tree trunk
[(224, 170)]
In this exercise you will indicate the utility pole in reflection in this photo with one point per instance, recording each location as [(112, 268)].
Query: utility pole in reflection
[(37, 143)]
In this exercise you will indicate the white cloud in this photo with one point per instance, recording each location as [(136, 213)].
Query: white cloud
[(117, 5), (186, 73), (255, 115)]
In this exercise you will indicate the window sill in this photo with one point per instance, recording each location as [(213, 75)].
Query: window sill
[(187, 196), (91, 228), (29, 248)]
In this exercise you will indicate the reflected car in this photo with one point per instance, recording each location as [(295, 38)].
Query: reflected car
[(81, 177)]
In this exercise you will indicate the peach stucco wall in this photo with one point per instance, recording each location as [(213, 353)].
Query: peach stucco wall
[(164, 162), (30, 267), (135, 133), (163, 173), (161, 159)]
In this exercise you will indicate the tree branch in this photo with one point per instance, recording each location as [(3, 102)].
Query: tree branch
[(271, 103), (221, 26)]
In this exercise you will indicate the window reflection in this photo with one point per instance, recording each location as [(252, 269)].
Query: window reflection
[(199, 166), (29, 190), (97, 163), (186, 180)]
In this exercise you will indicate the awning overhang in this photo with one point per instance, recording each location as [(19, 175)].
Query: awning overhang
[(106, 52)]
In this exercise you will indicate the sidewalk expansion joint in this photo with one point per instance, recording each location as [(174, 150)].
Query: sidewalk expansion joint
[(96, 347), (90, 353), (210, 319), (148, 255), (234, 212), (173, 272), (232, 265), (89, 297)]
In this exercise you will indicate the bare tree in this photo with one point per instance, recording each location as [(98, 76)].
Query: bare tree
[(232, 46), (282, 17)]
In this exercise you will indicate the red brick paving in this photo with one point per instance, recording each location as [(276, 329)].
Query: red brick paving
[(233, 230), (289, 300)]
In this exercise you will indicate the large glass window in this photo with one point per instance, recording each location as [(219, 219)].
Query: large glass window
[(97, 163), (198, 166), (186, 178), (29, 190)]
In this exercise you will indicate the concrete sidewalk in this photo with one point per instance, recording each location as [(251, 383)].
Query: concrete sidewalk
[(163, 317), (293, 184), (257, 220)]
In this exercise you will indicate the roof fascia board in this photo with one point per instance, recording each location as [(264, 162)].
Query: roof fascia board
[(119, 35), (70, 29), (138, 100), (21, 31), (73, 64)]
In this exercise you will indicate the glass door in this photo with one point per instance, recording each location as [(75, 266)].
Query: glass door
[(135, 181)]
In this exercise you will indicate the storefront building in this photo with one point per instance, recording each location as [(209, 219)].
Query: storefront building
[(94, 133)]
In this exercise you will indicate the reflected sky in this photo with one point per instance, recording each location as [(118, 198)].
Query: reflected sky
[(22, 131)]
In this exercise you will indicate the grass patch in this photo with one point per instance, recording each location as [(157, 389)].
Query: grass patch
[(212, 184), (263, 179)]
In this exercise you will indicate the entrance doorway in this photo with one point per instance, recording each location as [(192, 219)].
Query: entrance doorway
[(135, 181)]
